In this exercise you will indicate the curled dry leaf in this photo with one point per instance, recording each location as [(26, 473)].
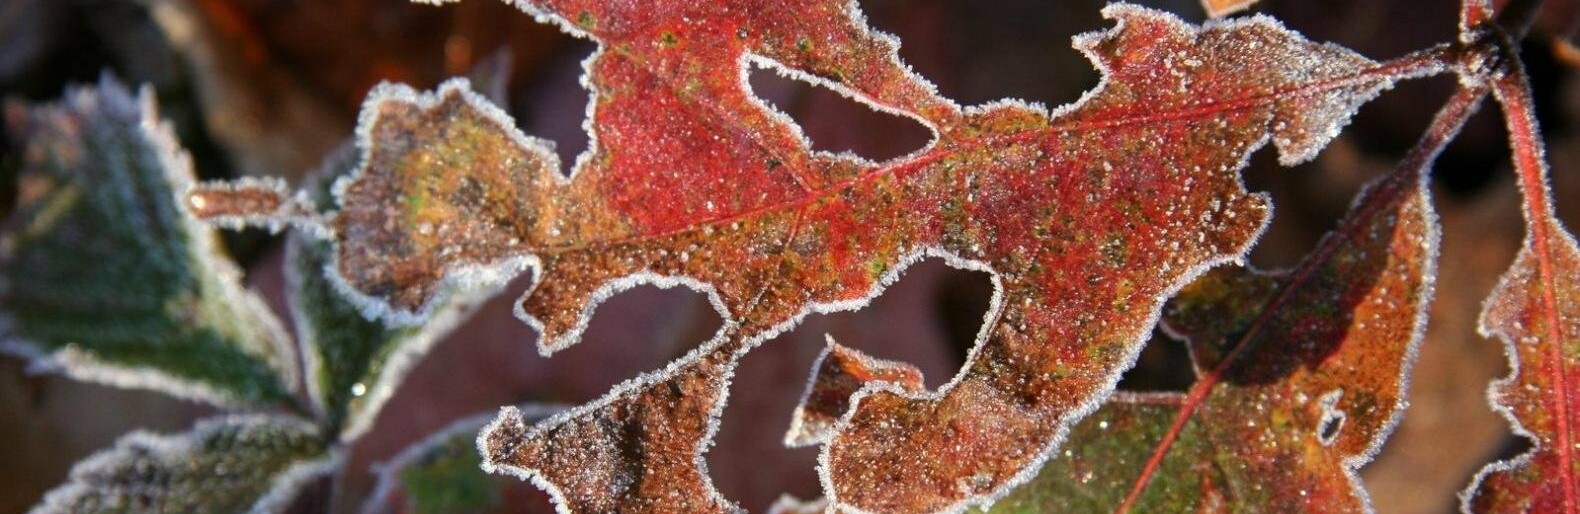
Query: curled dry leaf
[(1535, 311), (105, 277), (839, 373), (1088, 217), (250, 463)]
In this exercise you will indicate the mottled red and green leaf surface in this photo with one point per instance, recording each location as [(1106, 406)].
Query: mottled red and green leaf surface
[(1302, 375), (1535, 311), (1088, 217), (1284, 422)]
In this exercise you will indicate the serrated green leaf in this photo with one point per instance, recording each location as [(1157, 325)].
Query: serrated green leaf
[(251, 463), (105, 276)]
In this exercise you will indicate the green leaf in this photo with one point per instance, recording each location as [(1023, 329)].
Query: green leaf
[(251, 463), (106, 277)]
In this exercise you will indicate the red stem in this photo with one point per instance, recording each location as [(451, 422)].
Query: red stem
[(1410, 171)]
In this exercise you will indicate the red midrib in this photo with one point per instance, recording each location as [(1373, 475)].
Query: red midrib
[(1519, 115), (1444, 125), (1204, 386), (1419, 63)]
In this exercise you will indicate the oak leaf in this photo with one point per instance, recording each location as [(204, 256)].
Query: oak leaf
[(1302, 375), (1087, 216)]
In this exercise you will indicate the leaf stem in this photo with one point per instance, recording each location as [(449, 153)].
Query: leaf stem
[(1411, 170)]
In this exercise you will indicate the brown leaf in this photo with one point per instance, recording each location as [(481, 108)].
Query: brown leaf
[(838, 373)]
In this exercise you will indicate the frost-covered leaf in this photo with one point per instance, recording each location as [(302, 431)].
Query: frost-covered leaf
[(442, 474), (1317, 386), (252, 463), (837, 374), (1302, 374), (1087, 217), (1535, 311), (105, 277), (353, 363)]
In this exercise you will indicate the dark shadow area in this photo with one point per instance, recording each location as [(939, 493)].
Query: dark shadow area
[(983, 51), (1163, 366), (550, 102)]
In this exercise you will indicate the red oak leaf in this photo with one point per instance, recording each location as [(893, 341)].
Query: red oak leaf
[(1088, 217), (1301, 374)]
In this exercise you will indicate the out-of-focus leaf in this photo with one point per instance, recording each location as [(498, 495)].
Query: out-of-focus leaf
[(105, 277), (442, 474), (279, 80), (1221, 8), (1088, 217), (253, 463)]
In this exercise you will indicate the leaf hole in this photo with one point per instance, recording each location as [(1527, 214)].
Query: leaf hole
[(551, 103), (492, 360), (1328, 430), (961, 302), (929, 318), (988, 50), (835, 123), (635, 331), (1332, 418)]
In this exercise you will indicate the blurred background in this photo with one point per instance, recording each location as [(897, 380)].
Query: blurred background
[(268, 87)]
